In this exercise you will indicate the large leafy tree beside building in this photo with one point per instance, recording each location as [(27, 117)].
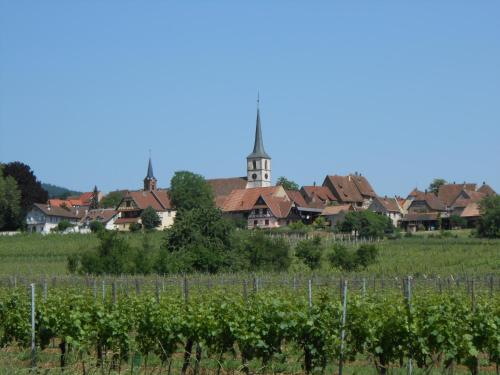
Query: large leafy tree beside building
[(112, 199), (436, 184), (31, 189), (10, 203), (287, 184), (489, 223), (150, 218), (190, 190)]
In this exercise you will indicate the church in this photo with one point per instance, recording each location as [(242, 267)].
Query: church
[(253, 198)]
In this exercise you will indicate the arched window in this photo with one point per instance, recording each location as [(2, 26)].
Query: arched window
[(254, 163), (266, 164)]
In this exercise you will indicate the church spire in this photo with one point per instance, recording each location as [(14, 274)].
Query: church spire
[(258, 147), (150, 180), (150, 174)]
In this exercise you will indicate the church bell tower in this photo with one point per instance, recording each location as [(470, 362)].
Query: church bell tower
[(150, 180), (258, 162)]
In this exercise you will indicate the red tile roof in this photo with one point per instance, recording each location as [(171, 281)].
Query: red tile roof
[(101, 214), (449, 192), (126, 220), (315, 193), (297, 198), (158, 199), (70, 212), (335, 210), (222, 187), (244, 200), (471, 210), (390, 204), (486, 190), (344, 188), (432, 201)]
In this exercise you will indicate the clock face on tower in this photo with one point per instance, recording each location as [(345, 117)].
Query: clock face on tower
[(254, 176)]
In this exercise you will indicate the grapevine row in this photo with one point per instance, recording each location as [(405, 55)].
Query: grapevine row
[(434, 330)]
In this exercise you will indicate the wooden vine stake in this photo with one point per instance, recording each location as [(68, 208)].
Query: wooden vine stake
[(342, 327), (408, 300), (33, 344), (309, 287)]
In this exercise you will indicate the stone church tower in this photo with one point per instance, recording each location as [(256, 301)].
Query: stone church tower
[(258, 162), (150, 180)]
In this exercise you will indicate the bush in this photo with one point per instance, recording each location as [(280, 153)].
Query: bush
[(63, 225), (261, 252), (150, 218), (310, 252), (489, 223), (135, 227), (96, 226), (347, 260), (366, 224), (457, 222)]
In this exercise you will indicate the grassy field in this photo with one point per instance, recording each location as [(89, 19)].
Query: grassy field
[(423, 254)]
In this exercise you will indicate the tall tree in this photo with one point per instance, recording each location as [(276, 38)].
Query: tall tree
[(489, 223), (150, 219), (31, 189), (112, 199), (436, 184), (190, 190), (94, 200), (10, 200), (287, 184)]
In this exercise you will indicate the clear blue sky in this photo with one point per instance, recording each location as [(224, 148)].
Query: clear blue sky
[(401, 91)]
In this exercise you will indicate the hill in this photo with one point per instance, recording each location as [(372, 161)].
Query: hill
[(59, 191)]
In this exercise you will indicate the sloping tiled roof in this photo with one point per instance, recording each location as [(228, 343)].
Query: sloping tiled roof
[(101, 214), (126, 220), (486, 190), (471, 210), (390, 204), (85, 198), (318, 192), (297, 198), (48, 210), (222, 187), (275, 197), (335, 210), (472, 197), (414, 193), (363, 185), (449, 192), (158, 199), (344, 188), (421, 216), (432, 201)]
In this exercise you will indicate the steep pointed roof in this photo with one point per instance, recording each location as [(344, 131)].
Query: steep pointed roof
[(150, 174), (258, 148)]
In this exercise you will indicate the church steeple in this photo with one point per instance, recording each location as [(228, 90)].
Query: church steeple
[(258, 162), (150, 180)]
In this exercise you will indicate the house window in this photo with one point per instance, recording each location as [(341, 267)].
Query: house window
[(267, 222), (255, 222), (127, 203)]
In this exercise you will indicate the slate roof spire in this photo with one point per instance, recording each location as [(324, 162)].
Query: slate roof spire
[(258, 148), (150, 174)]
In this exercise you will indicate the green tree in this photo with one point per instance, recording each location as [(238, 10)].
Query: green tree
[(63, 225), (310, 252), (457, 221), (199, 240), (31, 189), (190, 190), (436, 184), (113, 256), (10, 203), (287, 184), (261, 252), (366, 224), (96, 226), (94, 200), (112, 199), (150, 218), (489, 222)]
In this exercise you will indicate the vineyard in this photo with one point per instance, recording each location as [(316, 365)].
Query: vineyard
[(415, 326)]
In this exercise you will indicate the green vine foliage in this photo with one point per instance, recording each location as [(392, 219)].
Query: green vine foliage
[(434, 330)]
